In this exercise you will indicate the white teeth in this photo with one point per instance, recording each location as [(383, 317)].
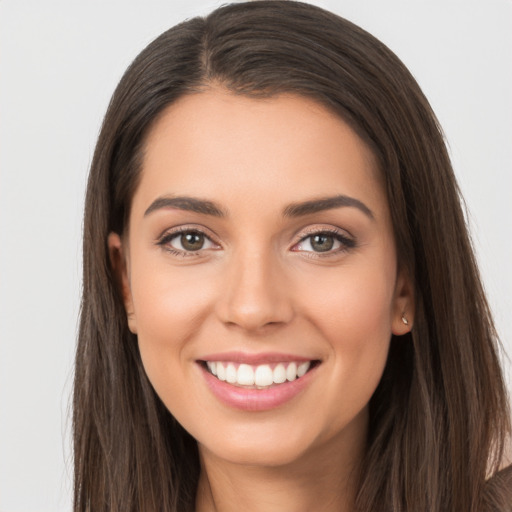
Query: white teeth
[(221, 371), (212, 366), (231, 373), (291, 372), (303, 368), (261, 375), (245, 375), (279, 374)]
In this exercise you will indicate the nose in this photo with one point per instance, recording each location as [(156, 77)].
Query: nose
[(255, 294)]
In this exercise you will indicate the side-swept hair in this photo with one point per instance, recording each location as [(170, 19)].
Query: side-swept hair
[(440, 416)]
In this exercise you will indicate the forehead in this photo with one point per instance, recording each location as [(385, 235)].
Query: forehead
[(216, 143)]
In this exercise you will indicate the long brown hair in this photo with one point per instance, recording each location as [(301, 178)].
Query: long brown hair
[(439, 417)]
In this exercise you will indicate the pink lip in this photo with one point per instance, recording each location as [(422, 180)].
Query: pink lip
[(256, 399), (255, 359)]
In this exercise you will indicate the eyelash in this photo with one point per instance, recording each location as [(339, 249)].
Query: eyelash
[(166, 238), (346, 242)]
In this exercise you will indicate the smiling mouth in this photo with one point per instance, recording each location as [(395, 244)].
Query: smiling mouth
[(262, 376)]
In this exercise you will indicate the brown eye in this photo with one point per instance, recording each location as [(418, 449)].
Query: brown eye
[(192, 241), (187, 242), (325, 242), (322, 242)]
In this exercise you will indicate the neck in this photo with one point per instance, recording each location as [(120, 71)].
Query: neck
[(325, 481)]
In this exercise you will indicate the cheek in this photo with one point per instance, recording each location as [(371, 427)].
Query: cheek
[(170, 307), (353, 305), (169, 302), (354, 317)]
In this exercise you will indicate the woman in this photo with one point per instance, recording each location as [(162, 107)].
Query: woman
[(281, 307)]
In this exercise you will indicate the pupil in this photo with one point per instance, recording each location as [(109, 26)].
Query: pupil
[(192, 241), (322, 243)]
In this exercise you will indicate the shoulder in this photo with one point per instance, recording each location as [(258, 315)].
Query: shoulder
[(498, 491)]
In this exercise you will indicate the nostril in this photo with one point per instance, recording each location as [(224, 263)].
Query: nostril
[(254, 298)]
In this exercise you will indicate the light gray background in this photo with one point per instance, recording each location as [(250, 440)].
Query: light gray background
[(59, 64)]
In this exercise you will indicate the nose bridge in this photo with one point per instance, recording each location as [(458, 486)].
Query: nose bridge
[(255, 294)]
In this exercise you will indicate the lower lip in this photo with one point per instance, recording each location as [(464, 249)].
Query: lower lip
[(247, 399)]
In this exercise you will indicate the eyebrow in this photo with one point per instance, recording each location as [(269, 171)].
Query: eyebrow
[(191, 204), (300, 209), (326, 203)]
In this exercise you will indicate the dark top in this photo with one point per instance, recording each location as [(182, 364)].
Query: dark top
[(498, 493)]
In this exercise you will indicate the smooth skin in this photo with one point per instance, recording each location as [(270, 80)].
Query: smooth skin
[(324, 285)]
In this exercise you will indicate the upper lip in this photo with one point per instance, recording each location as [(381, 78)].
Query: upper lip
[(255, 359)]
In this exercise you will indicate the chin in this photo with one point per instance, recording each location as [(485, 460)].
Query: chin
[(269, 443), (267, 453)]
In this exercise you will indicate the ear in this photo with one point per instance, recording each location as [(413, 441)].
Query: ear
[(119, 262), (403, 305)]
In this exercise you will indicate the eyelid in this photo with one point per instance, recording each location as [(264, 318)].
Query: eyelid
[(323, 228), (184, 228)]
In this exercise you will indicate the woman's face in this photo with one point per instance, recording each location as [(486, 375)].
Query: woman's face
[(260, 247)]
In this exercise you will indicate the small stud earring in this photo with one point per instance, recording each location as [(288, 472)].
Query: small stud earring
[(404, 320)]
